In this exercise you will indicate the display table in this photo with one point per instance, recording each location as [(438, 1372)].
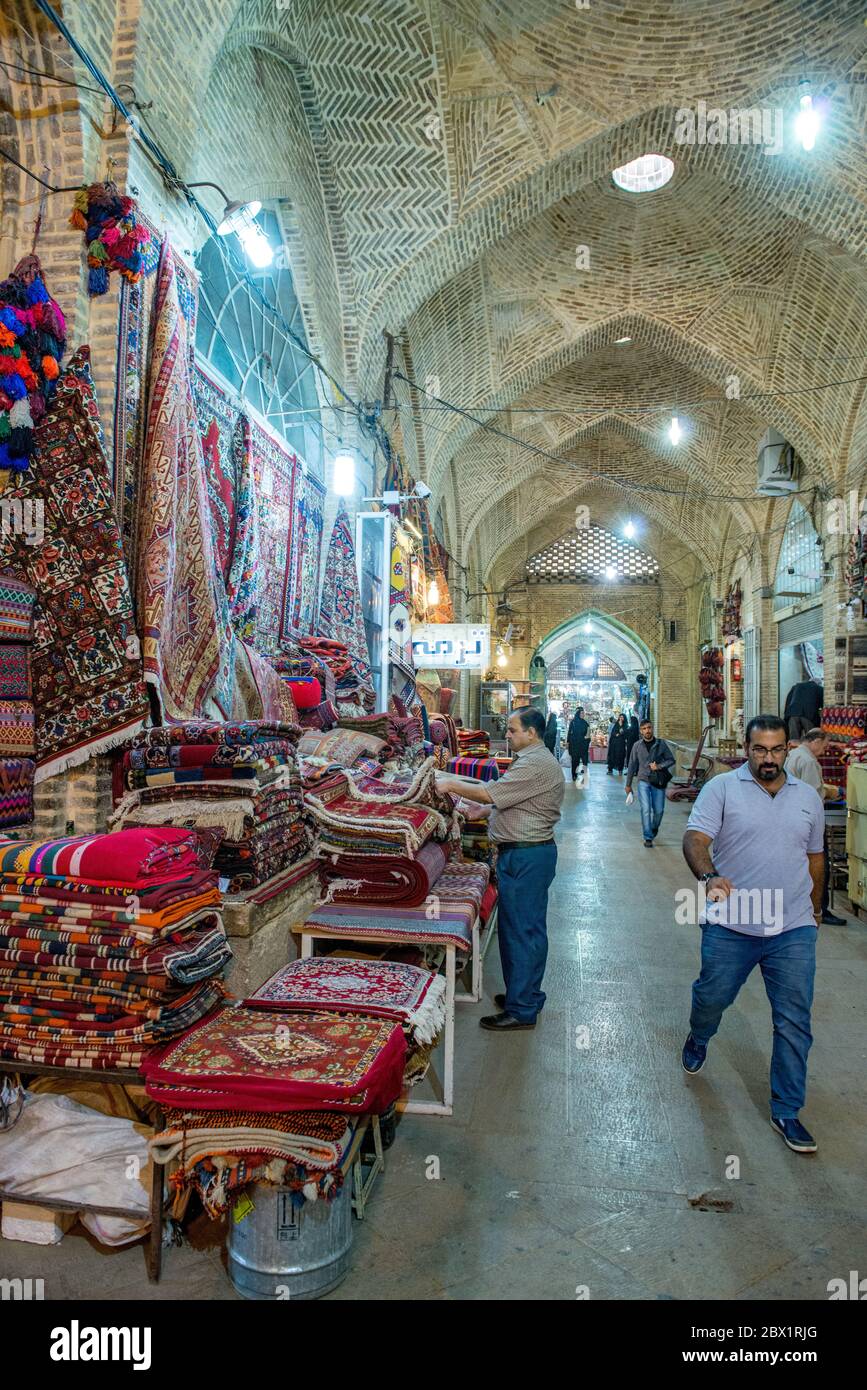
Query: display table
[(154, 1239)]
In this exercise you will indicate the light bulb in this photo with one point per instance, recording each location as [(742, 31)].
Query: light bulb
[(257, 246), (807, 122), (629, 530), (588, 627), (501, 659), (610, 572), (675, 432), (433, 592), (344, 475)]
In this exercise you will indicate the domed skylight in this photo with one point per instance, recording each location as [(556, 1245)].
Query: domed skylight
[(645, 174)]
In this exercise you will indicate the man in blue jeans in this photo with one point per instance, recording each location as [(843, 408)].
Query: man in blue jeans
[(524, 807), (649, 755), (763, 888)]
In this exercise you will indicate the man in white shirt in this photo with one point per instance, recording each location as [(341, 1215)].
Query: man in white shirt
[(803, 763)]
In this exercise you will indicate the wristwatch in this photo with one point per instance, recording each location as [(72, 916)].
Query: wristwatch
[(705, 878)]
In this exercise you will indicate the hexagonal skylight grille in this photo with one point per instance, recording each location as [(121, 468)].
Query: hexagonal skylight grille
[(589, 555)]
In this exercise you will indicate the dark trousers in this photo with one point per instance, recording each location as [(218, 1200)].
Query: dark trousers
[(523, 879), (788, 965), (580, 756)]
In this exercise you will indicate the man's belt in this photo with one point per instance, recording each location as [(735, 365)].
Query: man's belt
[(521, 844)]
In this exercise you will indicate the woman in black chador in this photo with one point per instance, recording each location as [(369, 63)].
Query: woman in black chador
[(617, 746)]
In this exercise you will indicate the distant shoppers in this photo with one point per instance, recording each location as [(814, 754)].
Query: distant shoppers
[(650, 761), (526, 805), (764, 893), (617, 746), (578, 743), (803, 763), (803, 707)]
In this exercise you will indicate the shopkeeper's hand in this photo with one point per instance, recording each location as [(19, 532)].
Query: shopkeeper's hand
[(718, 888), (652, 766)]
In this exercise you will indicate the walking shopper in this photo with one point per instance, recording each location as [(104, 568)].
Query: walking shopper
[(803, 707), (525, 806), (617, 746), (650, 761), (578, 743), (764, 890), (803, 763)]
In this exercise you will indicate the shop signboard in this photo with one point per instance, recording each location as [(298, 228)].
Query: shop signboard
[(451, 646)]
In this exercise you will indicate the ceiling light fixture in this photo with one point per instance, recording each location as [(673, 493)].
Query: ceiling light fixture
[(808, 121), (610, 572), (344, 475), (433, 593), (240, 219), (629, 530), (675, 433), (619, 341)]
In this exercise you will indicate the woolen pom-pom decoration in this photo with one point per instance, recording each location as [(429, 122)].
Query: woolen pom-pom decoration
[(112, 232), (32, 342)]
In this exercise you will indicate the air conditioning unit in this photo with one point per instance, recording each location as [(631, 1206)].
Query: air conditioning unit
[(778, 467)]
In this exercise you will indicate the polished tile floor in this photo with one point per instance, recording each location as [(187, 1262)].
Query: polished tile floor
[(581, 1161)]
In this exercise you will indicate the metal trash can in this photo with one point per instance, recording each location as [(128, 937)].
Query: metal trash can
[(279, 1251)]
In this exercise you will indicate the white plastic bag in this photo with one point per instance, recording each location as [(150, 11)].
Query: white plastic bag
[(62, 1149)]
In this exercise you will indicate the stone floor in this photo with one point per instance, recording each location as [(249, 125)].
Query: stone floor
[(568, 1168)]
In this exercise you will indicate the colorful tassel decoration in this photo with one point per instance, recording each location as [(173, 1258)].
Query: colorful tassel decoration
[(112, 233), (32, 342)]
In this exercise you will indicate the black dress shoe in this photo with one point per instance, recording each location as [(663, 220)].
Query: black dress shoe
[(500, 1001), (830, 919), (503, 1023)]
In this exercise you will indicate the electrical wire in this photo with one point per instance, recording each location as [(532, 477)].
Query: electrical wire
[(563, 464)]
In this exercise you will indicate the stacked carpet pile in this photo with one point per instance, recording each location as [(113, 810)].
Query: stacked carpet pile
[(444, 733), (369, 817), (217, 1153), (264, 1094), (461, 898), (109, 944), (473, 743), (242, 780), (413, 997), (393, 879)]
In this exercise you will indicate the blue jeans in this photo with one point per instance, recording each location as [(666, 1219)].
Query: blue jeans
[(788, 966), (523, 879), (651, 801)]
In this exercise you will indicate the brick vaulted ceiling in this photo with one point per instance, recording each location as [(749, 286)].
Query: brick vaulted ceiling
[(440, 162)]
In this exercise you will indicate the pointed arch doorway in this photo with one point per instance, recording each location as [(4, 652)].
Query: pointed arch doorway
[(593, 655)]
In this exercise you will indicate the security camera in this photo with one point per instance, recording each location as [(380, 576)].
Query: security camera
[(422, 490)]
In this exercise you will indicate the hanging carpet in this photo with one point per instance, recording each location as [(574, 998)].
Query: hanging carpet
[(86, 661), (340, 612), (181, 602)]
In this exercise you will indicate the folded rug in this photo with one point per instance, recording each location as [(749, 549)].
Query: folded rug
[(267, 1060), (452, 925), (393, 879), (314, 1137), (17, 728), (130, 858), (385, 989)]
